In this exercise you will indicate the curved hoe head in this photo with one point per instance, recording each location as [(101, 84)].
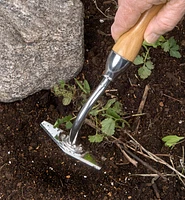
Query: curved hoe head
[(63, 142)]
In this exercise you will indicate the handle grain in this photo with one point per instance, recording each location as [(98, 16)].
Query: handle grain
[(129, 44)]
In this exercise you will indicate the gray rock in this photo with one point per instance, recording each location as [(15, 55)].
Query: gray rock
[(41, 43)]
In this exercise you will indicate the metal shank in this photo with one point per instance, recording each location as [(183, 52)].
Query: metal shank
[(115, 66)]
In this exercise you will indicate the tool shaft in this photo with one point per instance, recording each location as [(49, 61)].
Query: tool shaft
[(114, 67), (86, 108)]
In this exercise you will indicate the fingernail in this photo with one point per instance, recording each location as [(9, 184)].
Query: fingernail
[(152, 38)]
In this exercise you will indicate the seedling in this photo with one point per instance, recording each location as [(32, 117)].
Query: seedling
[(147, 65), (84, 86), (171, 140), (144, 60), (67, 120), (64, 90), (110, 118)]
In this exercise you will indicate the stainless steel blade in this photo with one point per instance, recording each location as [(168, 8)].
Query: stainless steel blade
[(63, 142)]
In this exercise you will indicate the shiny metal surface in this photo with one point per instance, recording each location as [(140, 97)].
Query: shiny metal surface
[(86, 108), (114, 67), (62, 141)]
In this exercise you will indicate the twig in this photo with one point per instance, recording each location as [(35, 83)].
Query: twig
[(150, 155), (182, 160), (140, 109), (177, 173), (155, 188), (126, 155), (182, 64), (1, 167), (172, 98), (153, 175), (110, 17), (102, 33), (144, 163)]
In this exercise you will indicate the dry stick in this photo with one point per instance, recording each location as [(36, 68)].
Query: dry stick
[(140, 109), (126, 155), (153, 175), (182, 64), (176, 173), (151, 155), (173, 98), (144, 163), (155, 188), (101, 11), (182, 160)]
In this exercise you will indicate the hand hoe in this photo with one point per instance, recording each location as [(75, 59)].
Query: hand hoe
[(120, 58)]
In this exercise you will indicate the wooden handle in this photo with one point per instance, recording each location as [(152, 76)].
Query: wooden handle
[(129, 44)]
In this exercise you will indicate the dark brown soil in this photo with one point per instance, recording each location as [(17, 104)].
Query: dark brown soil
[(32, 167)]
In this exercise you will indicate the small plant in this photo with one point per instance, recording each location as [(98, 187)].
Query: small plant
[(171, 47), (84, 86), (110, 116), (147, 65), (144, 60), (67, 120), (68, 93), (171, 140), (64, 90), (106, 117)]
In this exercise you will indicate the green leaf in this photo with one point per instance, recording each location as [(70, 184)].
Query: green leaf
[(172, 47), (94, 112), (69, 125), (87, 87), (175, 53), (96, 138), (149, 64), (111, 112), (89, 158), (166, 46), (144, 72), (62, 84), (109, 103), (117, 107), (139, 60), (80, 86), (171, 140), (57, 90), (62, 121), (67, 100), (172, 42), (67, 118), (108, 126), (57, 123)]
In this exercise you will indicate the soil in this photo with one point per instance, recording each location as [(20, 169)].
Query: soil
[(32, 167)]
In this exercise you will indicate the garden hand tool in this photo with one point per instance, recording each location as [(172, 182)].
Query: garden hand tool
[(120, 58)]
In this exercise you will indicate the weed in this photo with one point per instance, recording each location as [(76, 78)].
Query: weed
[(144, 60), (64, 90), (67, 120), (109, 117), (171, 140), (106, 117)]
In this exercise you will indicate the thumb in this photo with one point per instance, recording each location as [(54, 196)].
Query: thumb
[(165, 20)]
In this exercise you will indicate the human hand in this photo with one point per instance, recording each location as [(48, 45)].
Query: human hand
[(129, 12)]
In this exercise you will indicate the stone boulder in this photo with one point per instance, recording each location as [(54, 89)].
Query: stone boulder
[(41, 43)]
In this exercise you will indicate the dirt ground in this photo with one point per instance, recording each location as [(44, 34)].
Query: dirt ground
[(32, 167)]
